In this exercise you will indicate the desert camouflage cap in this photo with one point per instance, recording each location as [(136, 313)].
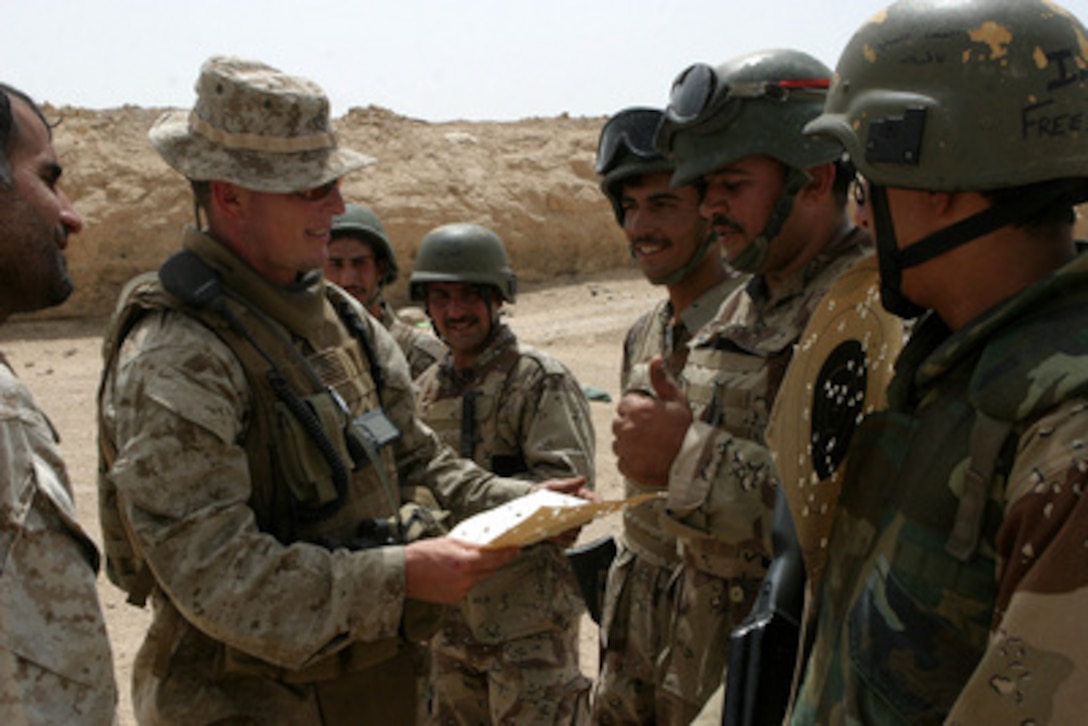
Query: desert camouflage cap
[(257, 127)]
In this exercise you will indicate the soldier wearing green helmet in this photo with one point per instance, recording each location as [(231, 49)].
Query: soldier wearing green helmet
[(508, 653), (957, 575), (776, 201), (360, 259), (674, 247)]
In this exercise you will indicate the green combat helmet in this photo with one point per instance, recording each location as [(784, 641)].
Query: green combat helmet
[(626, 150), (462, 253), (962, 95), (757, 104), (359, 221)]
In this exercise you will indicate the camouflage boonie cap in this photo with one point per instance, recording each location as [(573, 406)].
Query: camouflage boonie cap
[(257, 127)]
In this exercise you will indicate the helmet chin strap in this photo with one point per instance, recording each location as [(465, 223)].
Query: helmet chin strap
[(686, 269), (894, 260), (754, 256)]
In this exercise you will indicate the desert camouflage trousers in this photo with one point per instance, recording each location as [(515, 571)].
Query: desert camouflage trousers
[(532, 680), (509, 653), (635, 629), (665, 640)]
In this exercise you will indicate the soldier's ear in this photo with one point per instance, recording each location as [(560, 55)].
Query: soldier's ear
[(226, 198)]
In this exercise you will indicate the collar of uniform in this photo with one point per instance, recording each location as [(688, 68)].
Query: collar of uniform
[(298, 307), (703, 309), (502, 339), (939, 351)]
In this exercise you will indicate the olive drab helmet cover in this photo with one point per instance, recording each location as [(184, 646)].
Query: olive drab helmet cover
[(361, 222), (963, 95), (757, 103), (462, 253), (625, 149)]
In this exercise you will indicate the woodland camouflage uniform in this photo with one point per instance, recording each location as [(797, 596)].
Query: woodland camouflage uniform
[(957, 577)]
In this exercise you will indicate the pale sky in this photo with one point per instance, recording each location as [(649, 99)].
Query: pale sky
[(435, 60)]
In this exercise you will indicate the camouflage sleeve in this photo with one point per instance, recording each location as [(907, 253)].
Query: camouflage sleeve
[(55, 662), (556, 430), (722, 485), (176, 403), (422, 459), (420, 347), (1036, 664)]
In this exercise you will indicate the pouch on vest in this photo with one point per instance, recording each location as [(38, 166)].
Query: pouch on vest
[(308, 472)]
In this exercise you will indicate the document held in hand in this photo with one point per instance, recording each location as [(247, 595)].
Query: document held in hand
[(534, 518)]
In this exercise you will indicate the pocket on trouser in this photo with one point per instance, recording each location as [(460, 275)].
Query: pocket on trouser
[(910, 657), (530, 595), (706, 611), (616, 609)]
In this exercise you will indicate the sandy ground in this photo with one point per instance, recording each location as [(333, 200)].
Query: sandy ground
[(581, 322)]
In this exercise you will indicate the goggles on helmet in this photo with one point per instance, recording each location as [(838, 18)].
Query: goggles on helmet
[(698, 97), (629, 132)]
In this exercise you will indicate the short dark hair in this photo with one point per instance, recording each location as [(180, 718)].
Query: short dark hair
[(9, 129)]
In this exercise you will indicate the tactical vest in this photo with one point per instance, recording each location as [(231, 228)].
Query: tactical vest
[(292, 495), (642, 530), (480, 437), (925, 494)]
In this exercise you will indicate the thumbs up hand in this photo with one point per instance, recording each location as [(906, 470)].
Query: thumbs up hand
[(648, 430)]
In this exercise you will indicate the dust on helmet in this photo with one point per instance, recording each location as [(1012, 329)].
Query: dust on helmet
[(962, 95), (625, 149), (462, 253), (361, 222), (754, 104)]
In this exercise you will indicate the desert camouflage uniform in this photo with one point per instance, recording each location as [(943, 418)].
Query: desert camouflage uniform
[(55, 662), (722, 483), (257, 620), (509, 653), (420, 347), (924, 618), (638, 602)]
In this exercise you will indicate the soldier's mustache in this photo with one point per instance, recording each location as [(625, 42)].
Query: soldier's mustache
[(720, 220)]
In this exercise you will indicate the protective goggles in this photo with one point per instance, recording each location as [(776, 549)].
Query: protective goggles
[(698, 96), (628, 133)]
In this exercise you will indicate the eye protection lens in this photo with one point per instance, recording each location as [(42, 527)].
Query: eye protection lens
[(629, 132), (318, 193), (697, 96)]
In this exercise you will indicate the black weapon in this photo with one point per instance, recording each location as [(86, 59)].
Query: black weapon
[(590, 563), (763, 649)]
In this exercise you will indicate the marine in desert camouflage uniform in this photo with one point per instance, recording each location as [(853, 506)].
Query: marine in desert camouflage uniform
[(957, 576), (55, 662), (361, 260), (777, 203), (674, 248), (508, 654), (258, 437)]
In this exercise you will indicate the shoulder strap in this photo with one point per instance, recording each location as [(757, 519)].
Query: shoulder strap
[(988, 437)]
